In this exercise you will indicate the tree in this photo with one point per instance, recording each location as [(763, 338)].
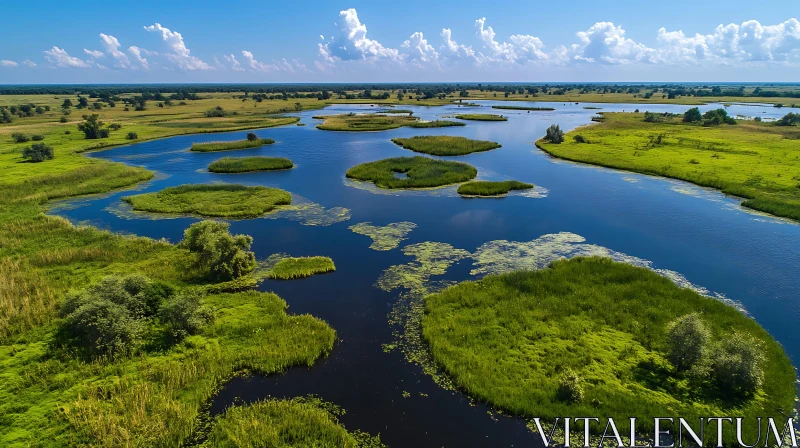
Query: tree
[(38, 152), (717, 117), (92, 127), (225, 256), (66, 104), (5, 115), (692, 115), (103, 328), (184, 315), (687, 341), (132, 136), (82, 102), (736, 365), (790, 119), (251, 136), (554, 134)]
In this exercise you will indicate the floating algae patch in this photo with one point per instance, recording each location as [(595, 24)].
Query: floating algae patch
[(310, 213), (430, 258), (387, 237)]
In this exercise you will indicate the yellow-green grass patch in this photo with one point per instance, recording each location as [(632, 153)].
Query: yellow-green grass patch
[(443, 145), (213, 200)]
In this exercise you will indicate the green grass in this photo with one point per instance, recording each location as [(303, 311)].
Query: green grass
[(284, 423), (506, 339), (247, 164), (523, 108), (491, 188), (756, 161), (421, 172), (481, 117), (364, 122), (214, 200), (435, 124), (442, 145), (293, 268), (229, 146)]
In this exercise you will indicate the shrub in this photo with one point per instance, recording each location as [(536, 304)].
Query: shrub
[(5, 116), (225, 256), (554, 134), (115, 126), (37, 137), (216, 112), (570, 388), (736, 365), (132, 136), (790, 119), (687, 341), (251, 136), (650, 117), (103, 328), (92, 127), (579, 139), (19, 137), (717, 117), (63, 119), (184, 315), (692, 115), (38, 152)]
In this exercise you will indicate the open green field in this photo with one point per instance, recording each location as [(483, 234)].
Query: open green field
[(481, 117), (420, 172), (442, 145), (300, 267), (248, 164), (229, 146), (508, 340), (756, 161), (215, 200), (491, 188)]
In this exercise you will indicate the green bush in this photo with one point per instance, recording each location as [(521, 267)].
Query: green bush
[(717, 117), (185, 315), (570, 388), (790, 119), (103, 328), (225, 256), (554, 134), (37, 137), (692, 115), (92, 127), (19, 137), (38, 152), (132, 136), (251, 136), (687, 341), (579, 139), (736, 365)]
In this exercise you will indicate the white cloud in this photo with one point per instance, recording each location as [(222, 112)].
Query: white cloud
[(451, 49), (352, 43), (255, 65), (521, 49), (502, 52), (60, 58), (111, 44), (418, 50), (7, 63), (29, 63), (97, 54), (235, 65), (180, 56), (137, 53), (606, 43)]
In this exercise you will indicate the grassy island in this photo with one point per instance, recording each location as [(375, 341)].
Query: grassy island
[(248, 164), (215, 200), (442, 145), (491, 188), (229, 146), (292, 268), (756, 161), (540, 109), (377, 122), (298, 422), (589, 336), (481, 117), (420, 172)]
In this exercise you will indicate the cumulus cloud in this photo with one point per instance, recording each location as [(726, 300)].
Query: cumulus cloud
[(111, 44), (503, 52), (180, 55), (97, 54), (8, 63), (60, 58), (138, 53), (451, 49), (352, 42), (29, 63), (235, 65), (606, 43), (417, 49), (255, 65)]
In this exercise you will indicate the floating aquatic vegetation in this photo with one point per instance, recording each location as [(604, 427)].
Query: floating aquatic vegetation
[(430, 258), (309, 213), (387, 237), (632, 180)]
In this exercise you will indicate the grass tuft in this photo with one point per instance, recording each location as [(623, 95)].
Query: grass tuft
[(300, 267), (442, 145), (247, 164), (228, 146), (491, 188)]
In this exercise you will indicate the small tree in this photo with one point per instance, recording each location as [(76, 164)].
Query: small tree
[(19, 137), (184, 315), (92, 127), (38, 152), (132, 136), (687, 341), (579, 139), (790, 119), (570, 388), (692, 115), (736, 365), (66, 104), (554, 134), (103, 328), (225, 256), (252, 136)]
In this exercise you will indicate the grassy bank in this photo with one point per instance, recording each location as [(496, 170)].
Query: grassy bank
[(491, 188), (285, 423), (421, 172), (442, 145), (756, 161), (481, 117), (248, 164), (230, 146), (364, 122), (293, 268), (606, 323), (523, 108), (435, 124), (214, 200)]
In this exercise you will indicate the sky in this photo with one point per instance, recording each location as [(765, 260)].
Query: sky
[(171, 41)]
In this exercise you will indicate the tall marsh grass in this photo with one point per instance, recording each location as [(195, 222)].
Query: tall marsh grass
[(229, 146)]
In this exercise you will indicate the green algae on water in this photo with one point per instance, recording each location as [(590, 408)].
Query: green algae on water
[(387, 237)]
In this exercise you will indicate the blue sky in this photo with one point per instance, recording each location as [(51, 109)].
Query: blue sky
[(359, 41)]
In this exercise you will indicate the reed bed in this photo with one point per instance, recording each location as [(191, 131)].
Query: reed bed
[(442, 145), (214, 200), (248, 164), (229, 146), (421, 172), (491, 188)]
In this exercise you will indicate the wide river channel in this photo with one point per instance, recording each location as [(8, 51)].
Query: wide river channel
[(693, 234)]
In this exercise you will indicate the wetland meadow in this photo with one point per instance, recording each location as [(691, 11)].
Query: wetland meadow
[(411, 281)]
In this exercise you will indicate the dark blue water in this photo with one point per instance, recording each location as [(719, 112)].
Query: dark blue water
[(698, 233)]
